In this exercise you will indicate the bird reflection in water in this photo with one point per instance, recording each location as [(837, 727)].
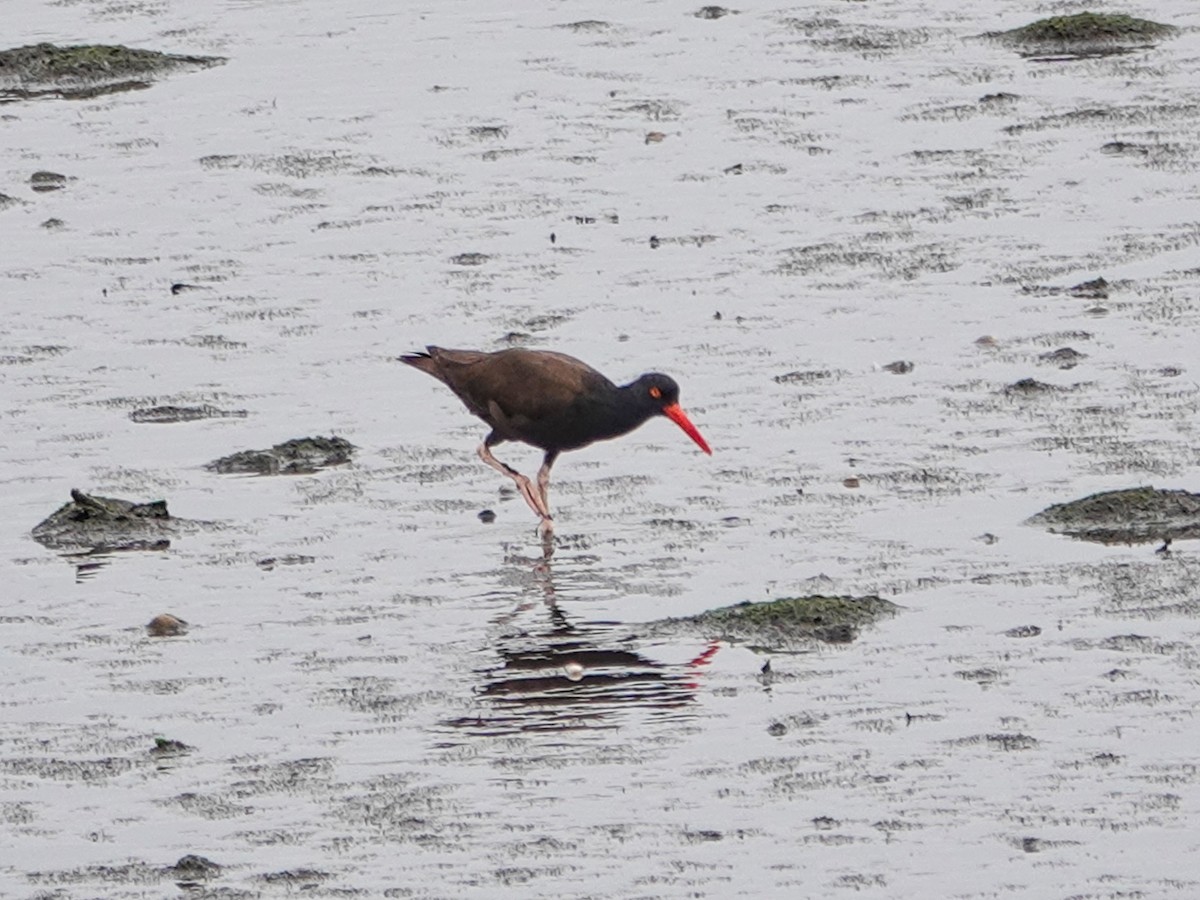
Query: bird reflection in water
[(562, 675)]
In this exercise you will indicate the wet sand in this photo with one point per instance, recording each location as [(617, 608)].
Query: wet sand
[(377, 693)]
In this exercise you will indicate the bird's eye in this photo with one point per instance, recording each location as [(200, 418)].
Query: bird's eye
[(655, 393)]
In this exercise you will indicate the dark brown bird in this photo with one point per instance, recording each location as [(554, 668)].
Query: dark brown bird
[(550, 400)]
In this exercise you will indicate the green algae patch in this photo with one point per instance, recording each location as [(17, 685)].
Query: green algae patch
[(783, 623), (86, 70), (1127, 516), (1084, 34), (300, 456), (90, 521)]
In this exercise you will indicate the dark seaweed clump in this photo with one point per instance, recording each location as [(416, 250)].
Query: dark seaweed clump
[(1127, 516), (785, 622), (301, 456), (90, 62), (80, 71), (89, 520), (1084, 34)]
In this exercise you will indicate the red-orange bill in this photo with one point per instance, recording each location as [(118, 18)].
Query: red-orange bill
[(677, 415)]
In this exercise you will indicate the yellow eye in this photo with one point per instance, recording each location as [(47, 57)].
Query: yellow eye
[(655, 393)]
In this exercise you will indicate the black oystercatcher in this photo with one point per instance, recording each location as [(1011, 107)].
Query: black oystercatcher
[(550, 400)]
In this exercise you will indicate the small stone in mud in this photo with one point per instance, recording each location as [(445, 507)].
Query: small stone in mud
[(159, 415), (42, 182), (166, 625), (299, 877), (470, 259), (655, 137), (711, 12), (1127, 516), (487, 516), (487, 132), (986, 341), (1063, 357), (1011, 741), (167, 747), (1023, 631), (1125, 148), (987, 538), (193, 867), (1029, 387), (301, 456), (595, 25), (899, 367), (808, 377), (1096, 289), (53, 224), (983, 676), (292, 559), (851, 482), (735, 169), (776, 729)]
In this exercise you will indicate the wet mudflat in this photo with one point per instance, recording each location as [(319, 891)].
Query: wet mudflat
[(916, 287)]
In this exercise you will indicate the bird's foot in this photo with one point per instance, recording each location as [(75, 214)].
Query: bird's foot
[(545, 532)]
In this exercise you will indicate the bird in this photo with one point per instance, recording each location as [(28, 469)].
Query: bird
[(551, 401)]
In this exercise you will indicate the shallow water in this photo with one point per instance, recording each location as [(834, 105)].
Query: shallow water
[(384, 709)]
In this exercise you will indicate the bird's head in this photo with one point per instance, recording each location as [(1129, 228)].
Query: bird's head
[(660, 393)]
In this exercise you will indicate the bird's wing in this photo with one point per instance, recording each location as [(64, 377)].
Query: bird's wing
[(525, 386)]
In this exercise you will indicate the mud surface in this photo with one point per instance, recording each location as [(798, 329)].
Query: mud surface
[(862, 240)]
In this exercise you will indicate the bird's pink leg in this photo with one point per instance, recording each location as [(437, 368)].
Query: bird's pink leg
[(546, 528), (524, 485), (543, 478)]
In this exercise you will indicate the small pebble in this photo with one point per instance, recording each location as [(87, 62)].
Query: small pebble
[(166, 625)]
